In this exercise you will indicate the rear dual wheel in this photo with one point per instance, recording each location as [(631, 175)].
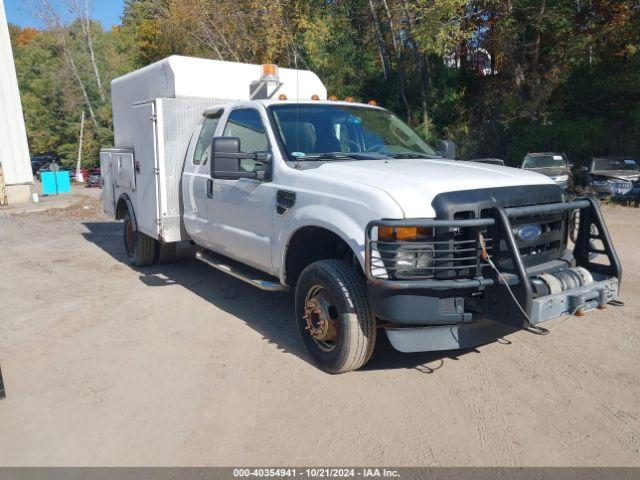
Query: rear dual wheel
[(140, 248), (334, 316), (143, 250), (165, 252)]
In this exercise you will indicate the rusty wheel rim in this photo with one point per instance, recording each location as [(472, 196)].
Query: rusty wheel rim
[(321, 316)]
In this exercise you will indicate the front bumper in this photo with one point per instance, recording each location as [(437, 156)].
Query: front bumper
[(426, 308), (618, 190)]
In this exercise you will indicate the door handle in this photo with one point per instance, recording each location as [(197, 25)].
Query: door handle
[(209, 188)]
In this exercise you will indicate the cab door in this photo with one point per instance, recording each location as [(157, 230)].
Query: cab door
[(197, 184), (242, 209)]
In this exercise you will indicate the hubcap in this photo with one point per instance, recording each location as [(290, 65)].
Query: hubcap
[(321, 315)]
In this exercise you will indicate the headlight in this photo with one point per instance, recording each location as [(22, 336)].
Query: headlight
[(562, 178), (404, 251), (598, 180), (414, 263)]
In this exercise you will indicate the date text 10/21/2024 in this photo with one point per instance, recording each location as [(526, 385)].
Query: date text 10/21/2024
[(316, 472)]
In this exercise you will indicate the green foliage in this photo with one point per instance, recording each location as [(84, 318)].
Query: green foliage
[(563, 75), (339, 52), (51, 99), (442, 24)]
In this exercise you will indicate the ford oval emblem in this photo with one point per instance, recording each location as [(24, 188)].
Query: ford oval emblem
[(529, 233)]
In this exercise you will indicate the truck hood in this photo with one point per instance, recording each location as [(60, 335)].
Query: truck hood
[(628, 175), (550, 172), (413, 184)]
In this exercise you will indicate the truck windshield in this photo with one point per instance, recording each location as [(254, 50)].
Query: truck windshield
[(341, 132), (543, 161), (615, 164)]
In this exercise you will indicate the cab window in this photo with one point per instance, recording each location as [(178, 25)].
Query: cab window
[(247, 125), (201, 153)]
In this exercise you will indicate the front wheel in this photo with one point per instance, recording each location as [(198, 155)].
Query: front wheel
[(334, 316)]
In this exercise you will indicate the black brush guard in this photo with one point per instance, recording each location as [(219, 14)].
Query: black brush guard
[(459, 270)]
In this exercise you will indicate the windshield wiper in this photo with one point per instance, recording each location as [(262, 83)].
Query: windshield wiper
[(416, 155), (338, 156)]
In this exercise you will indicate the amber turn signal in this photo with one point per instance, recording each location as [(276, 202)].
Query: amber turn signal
[(405, 234)]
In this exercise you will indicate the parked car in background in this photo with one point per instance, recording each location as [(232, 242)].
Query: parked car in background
[(616, 177), (39, 161), (491, 161), (94, 180), (553, 165), (46, 167)]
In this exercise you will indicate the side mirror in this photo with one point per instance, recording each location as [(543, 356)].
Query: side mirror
[(226, 156), (447, 149), (584, 169)]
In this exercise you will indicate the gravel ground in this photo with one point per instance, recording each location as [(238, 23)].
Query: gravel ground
[(182, 365)]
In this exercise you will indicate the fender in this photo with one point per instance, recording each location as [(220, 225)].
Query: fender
[(125, 198), (350, 231)]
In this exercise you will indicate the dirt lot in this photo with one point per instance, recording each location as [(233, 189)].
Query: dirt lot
[(182, 365)]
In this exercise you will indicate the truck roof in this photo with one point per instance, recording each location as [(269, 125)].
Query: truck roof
[(541, 154), (270, 102)]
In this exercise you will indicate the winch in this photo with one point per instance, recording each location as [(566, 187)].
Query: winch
[(559, 281)]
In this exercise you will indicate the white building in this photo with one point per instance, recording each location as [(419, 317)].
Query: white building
[(14, 150)]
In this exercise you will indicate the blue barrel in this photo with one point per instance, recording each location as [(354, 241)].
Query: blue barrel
[(54, 183)]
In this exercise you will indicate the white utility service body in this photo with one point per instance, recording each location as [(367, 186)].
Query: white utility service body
[(338, 192)]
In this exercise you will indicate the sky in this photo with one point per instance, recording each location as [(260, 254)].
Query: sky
[(106, 11)]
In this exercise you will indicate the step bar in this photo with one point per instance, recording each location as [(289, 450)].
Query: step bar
[(239, 271)]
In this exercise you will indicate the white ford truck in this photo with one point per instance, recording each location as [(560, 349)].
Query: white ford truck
[(343, 203)]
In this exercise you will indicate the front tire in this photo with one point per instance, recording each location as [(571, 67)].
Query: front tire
[(139, 247), (334, 316)]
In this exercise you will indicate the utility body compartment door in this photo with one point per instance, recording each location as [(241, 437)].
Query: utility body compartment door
[(108, 183), (118, 175), (146, 166), (125, 175)]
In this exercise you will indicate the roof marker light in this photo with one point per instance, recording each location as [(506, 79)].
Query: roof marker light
[(282, 97), (333, 98), (315, 97), (349, 99), (373, 103)]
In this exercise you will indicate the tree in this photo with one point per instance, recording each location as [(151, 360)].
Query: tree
[(82, 13), (498, 77)]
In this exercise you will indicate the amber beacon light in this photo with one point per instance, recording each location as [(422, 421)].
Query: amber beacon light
[(269, 71)]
